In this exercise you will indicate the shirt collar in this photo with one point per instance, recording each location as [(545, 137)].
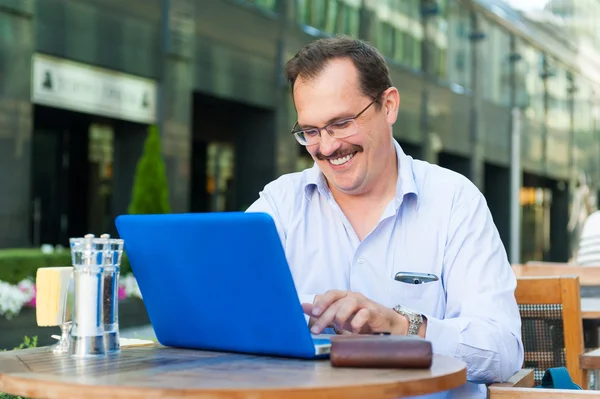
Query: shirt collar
[(405, 184)]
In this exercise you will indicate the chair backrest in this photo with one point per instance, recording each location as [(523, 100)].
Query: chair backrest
[(552, 327), (589, 276)]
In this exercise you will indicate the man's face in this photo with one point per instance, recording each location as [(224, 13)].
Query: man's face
[(353, 164)]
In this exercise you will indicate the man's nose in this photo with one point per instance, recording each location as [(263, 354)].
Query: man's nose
[(328, 144)]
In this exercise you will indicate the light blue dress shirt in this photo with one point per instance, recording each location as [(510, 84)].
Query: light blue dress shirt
[(438, 223)]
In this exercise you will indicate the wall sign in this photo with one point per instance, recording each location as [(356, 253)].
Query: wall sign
[(79, 87)]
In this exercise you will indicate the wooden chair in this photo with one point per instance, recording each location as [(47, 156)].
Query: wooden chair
[(552, 328), (536, 393), (589, 281), (523, 379), (520, 386), (589, 276), (552, 336)]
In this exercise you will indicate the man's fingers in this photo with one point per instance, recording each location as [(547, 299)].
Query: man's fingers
[(326, 318), (324, 301), (346, 311), (307, 308), (360, 320)]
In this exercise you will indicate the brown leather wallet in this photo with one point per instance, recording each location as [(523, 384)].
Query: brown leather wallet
[(380, 351)]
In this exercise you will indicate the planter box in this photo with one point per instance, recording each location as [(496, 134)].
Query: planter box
[(132, 313)]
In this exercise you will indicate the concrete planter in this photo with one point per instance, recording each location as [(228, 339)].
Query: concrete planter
[(132, 313)]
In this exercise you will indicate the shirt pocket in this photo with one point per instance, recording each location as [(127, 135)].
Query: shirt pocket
[(424, 298)]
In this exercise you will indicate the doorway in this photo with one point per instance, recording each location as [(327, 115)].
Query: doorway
[(71, 175), (233, 154), (454, 162)]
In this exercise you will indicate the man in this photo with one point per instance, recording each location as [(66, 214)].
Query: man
[(367, 211), (588, 252), (582, 207)]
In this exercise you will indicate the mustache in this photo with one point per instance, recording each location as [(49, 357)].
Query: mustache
[(340, 152)]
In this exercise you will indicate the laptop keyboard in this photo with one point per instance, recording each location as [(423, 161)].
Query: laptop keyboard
[(321, 341)]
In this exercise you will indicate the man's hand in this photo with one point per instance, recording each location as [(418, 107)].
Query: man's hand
[(352, 312)]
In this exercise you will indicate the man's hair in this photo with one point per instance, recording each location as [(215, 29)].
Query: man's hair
[(309, 62)]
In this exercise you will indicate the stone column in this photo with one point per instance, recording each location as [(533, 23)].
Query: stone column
[(572, 161), (477, 129), (513, 245), (429, 11), (286, 148), (175, 96), (559, 218), (16, 49), (545, 74)]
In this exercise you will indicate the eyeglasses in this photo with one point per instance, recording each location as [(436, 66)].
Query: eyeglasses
[(338, 129)]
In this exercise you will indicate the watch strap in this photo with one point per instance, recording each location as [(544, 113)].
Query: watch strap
[(415, 320)]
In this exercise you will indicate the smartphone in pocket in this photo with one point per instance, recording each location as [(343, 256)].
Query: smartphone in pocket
[(415, 278)]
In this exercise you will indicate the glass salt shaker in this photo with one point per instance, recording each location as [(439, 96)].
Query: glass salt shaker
[(87, 330)]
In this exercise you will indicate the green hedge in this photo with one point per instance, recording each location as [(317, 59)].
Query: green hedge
[(18, 264)]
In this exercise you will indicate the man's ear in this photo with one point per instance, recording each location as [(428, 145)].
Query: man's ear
[(391, 104)]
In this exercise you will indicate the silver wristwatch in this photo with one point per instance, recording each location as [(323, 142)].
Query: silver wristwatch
[(414, 319)]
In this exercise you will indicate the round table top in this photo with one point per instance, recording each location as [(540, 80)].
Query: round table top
[(162, 372)]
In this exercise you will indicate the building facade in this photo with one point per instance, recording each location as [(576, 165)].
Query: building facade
[(81, 80)]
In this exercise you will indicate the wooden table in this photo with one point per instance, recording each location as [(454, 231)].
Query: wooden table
[(590, 313), (590, 308), (590, 361), (161, 372)]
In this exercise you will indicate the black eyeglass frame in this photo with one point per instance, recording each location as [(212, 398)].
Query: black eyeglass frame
[(352, 118)]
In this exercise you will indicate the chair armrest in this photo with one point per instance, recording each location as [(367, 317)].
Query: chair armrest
[(521, 379), (590, 360), (538, 393)]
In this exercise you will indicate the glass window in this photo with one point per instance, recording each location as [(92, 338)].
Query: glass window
[(438, 34), (384, 38), (100, 176), (382, 32), (583, 105), (220, 176), (458, 56), (583, 125), (496, 64), (443, 9), (397, 30), (414, 9), (529, 80), (302, 11), (557, 84), (266, 4), (349, 18), (313, 13), (415, 60), (535, 224), (332, 16), (400, 43)]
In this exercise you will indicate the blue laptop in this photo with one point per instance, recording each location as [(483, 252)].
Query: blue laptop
[(218, 281)]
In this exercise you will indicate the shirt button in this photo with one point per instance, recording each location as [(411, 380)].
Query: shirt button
[(360, 261)]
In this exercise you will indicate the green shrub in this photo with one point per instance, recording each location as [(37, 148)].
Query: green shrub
[(27, 343), (18, 264), (150, 189)]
